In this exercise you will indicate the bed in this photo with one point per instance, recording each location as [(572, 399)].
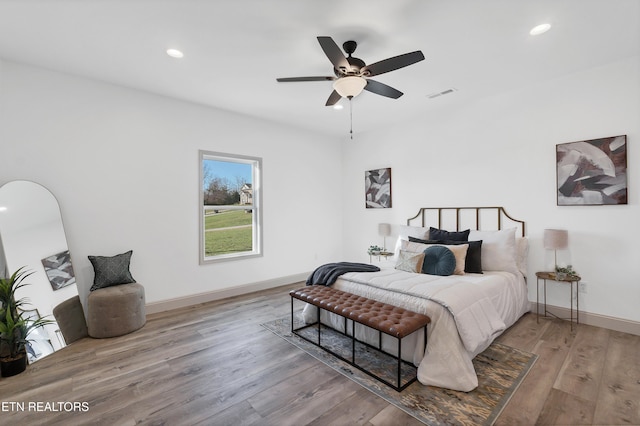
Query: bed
[(468, 308)]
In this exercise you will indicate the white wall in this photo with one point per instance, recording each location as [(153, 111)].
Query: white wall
[(123, 165), (501, 151)]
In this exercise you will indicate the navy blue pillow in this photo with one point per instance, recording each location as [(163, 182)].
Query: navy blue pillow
[(438, 260), (441, 234), (473, 260)]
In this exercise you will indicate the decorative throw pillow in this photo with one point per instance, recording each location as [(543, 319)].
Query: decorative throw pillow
[(459, 251), (438, 260), (414, 245), (441, 234), (473, 259), (409, 261), (111, 271)]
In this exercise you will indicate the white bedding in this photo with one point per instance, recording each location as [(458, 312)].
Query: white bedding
[(467, 313)]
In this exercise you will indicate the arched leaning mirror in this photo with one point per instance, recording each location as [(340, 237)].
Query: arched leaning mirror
[(32, 236)]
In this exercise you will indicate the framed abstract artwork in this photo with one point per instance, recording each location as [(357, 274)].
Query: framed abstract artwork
[(377, 186), (59, 270), (592, 172)]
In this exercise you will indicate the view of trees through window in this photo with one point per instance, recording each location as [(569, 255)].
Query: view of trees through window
[(230, 211)]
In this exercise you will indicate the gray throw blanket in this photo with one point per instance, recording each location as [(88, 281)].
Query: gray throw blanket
[(328, 274)]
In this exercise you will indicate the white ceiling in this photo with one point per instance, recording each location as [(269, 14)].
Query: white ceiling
[(235, 49)]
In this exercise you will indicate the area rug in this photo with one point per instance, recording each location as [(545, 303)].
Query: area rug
[(500, 370)]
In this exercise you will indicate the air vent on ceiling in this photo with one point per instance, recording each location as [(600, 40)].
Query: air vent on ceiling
[(444, 92)]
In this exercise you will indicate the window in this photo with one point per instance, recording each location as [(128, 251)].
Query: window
[(230, 226)]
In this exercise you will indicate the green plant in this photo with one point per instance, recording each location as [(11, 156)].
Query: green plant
[(374, 249), (566, 270), (14, 329)]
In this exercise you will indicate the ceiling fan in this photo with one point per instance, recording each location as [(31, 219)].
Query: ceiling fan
[(352, 75)]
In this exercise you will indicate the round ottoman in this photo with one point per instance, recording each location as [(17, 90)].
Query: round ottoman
[(116, 310)]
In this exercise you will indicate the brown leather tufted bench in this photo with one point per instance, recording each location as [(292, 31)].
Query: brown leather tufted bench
[(383, 317)]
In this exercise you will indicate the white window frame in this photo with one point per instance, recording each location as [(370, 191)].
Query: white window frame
[(256, 207)]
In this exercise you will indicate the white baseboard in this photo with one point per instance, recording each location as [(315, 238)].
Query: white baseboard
[(604, 321), (181, 302)]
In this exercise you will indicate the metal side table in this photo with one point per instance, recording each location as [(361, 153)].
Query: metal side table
[(553, 276)]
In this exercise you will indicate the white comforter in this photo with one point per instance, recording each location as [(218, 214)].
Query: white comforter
[(467, 313)]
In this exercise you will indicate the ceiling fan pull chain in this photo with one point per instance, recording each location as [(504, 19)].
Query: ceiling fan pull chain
[(351, 116)]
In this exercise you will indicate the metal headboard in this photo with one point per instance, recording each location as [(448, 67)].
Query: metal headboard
[(496, 218)]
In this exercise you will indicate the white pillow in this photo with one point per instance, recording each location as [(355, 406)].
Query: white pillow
[(458, 250), (405, 231), (498, 249), (522, 253)]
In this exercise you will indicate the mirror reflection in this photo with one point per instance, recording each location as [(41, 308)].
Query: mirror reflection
[(32, 235)]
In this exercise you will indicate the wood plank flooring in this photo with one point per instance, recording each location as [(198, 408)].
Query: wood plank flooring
[(213, 364)]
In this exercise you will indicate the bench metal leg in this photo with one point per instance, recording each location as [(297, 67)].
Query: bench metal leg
[(319, 326), (353, 342), (398, 387), (400, 362)]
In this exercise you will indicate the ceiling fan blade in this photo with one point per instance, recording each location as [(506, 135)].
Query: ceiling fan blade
[(334, 53), (382, 89), (290, 79), (394, 63), (333, 98)]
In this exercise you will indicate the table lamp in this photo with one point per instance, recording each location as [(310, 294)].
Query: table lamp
[(384, 229), (555, 239)]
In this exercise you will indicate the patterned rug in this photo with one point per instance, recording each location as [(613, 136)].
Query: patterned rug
[(500, 370)]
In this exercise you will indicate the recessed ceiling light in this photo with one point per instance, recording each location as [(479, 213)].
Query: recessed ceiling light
[(338, 106), (540, 29), (175, 53)]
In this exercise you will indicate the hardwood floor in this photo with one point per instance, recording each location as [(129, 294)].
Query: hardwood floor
[(213, 364)]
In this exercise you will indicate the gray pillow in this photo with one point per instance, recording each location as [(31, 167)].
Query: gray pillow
[(111, 271), (410, 262)]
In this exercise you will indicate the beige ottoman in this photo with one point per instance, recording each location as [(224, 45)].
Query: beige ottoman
[(70, 318), (116, 310)]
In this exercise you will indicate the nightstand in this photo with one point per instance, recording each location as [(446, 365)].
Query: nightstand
[(553, 276), (385, 254)]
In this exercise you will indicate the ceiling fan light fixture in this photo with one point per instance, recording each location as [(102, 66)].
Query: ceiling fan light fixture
[(349, 86), (540, 29), (175, 53)]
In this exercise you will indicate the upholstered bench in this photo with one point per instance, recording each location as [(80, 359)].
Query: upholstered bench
[(116, 310), (385, 318)]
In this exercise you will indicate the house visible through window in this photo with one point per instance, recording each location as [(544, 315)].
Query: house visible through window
[(230, 225)]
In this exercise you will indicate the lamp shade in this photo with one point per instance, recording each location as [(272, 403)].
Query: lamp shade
[(384, 229), (349, 86), (555, 239)]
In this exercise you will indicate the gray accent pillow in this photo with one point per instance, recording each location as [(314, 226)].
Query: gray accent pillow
[(111, 271), (409, 261)]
